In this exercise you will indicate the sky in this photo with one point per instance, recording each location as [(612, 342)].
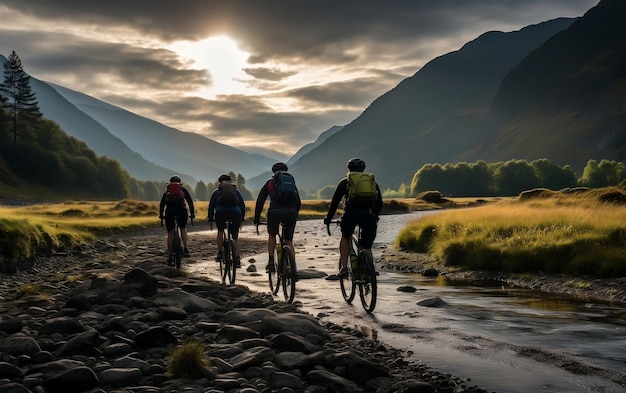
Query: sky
[(253, 74)]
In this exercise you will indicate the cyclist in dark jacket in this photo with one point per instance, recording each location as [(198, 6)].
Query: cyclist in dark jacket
[(176, 207), (366, 216), (278, 211), (220, 212)]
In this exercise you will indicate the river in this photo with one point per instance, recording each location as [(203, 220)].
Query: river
[(501, 339)]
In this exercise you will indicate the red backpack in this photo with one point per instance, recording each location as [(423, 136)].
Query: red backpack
[(175, 193)]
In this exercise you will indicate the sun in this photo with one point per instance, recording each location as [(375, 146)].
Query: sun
[(222, 58)]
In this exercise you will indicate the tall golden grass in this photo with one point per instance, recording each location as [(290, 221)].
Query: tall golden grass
[(553, 232)]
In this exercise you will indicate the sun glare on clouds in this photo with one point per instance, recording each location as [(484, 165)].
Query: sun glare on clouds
[(222, 58)]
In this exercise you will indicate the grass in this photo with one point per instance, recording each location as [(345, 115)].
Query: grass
[(581, 234), (41, 229), (188, 361)]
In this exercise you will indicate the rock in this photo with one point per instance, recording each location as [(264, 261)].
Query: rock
[(432, 302)]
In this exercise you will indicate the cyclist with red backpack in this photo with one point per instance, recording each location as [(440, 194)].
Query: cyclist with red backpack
[(174, 204), (363, 203), (227, 203), (284, 207)]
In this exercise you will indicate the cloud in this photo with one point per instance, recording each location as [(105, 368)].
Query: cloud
[(311, 64)]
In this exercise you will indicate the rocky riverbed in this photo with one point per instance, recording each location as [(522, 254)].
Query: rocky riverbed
[(106, 318)]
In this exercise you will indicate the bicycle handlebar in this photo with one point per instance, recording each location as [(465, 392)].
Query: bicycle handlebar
[(338, 222)]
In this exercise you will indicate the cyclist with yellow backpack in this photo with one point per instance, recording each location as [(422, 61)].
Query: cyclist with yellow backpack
[(363, 203)]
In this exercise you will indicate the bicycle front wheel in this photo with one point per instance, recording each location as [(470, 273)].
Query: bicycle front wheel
[(289, 274), (367, 281), (178, 248)]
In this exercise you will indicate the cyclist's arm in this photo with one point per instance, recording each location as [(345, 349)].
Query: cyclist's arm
[(242, 205), (260, 201), (378, 205), (162, 205), (340, 192), (212, 204), (189, 200)]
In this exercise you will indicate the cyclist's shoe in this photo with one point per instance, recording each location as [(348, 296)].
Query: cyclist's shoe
[(238, 263), (186, 252), (219, 257), (343, 272), (270, 267)]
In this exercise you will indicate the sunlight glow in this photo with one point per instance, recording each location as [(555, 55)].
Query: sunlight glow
[(222, 58)]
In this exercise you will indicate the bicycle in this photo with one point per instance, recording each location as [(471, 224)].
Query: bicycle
[(227, 263), (361, 273), (286, 273), (177, 243)]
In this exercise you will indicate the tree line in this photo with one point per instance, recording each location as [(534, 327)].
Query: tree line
[(511, 177)]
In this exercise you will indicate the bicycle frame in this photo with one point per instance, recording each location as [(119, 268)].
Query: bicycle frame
[(361, 274)]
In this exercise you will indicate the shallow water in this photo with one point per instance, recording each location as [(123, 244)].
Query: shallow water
[(502, 339)]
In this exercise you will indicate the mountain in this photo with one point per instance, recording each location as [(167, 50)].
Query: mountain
[(566, 100), (434, 116), (185, 152), (310, 146)]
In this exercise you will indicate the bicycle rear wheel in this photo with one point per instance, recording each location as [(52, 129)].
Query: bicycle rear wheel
[(367, 281), (228, 263), (289, 274), (348, 286), (273, 277), (232, 254), (178, 247)]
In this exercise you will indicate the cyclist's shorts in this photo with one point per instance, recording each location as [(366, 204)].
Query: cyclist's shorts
[(276, 216), (182, 214), (365, 220), (231, 214)]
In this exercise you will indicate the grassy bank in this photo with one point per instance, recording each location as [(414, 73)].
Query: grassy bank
[(540, 231), (39, 229)]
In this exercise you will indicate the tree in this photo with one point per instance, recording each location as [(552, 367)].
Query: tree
[(17, 96)]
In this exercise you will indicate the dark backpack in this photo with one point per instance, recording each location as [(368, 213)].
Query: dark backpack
[(175, 193), (362, 189), (227, 194), (282, 187)]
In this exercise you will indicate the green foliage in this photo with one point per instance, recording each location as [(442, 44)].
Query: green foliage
[(603, 174), (189, 361)]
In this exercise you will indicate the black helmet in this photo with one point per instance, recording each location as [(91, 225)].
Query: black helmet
[(175, 179), (279, 166), (356, 165), (224, 177)]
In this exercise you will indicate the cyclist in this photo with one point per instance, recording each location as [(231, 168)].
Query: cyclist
[(363, 212), (174, 204), (227, 203), (284, 207)]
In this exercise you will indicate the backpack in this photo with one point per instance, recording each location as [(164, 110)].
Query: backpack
[(362, 189), (282, 187), (227, 194), (175, 193)]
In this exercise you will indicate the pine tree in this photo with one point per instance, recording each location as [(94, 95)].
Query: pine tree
[(17, 96)]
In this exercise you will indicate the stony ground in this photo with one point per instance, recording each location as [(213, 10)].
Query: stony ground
[(94, 326)]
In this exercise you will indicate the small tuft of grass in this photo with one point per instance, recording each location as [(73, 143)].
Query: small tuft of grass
[(27, 290), (189, 361)]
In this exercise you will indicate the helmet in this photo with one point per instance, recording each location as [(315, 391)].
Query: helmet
[(175, 179), (356, 165), (224, 177), (279, 166)]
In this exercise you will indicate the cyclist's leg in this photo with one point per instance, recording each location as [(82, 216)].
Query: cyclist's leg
[(289, 219), (273, 221), (348, 223), (368, 230), (235, 224), (220, 223), (169, 226)]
